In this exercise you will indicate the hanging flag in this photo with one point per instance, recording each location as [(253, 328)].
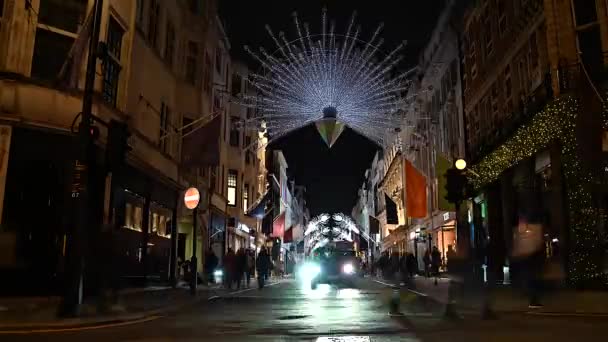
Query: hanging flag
[(202, 147), (278, 226), (69, 75), (442, 165), (415, 188), (330, 130)]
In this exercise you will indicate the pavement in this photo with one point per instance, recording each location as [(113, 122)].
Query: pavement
[(134, 304), (289, 310), (509, 299)]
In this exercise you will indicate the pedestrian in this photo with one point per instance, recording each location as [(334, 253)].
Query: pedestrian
[(412, 264), (394, 265), (451, 259), (210, 265), (263, 266), (435, 261), (241, 266), (250, 265), (427, 263), (230, 268)]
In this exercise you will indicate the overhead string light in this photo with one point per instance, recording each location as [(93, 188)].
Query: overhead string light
[(312, 75)]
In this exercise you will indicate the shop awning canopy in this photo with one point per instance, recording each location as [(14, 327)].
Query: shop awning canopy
[(258, 209)]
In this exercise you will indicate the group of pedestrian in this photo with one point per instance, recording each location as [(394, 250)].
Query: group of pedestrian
[(239, 267), (406, 264)]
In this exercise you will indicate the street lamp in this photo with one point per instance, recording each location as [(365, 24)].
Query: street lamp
[(460, 164)]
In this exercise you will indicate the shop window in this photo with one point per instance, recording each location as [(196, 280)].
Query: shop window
[(232, 186)]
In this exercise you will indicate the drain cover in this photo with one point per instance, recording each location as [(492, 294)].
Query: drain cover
[(289, 317)]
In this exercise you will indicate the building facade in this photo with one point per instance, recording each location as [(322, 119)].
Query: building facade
[(534, 124)]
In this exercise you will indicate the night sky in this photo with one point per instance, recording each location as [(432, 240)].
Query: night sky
[(331, 176)]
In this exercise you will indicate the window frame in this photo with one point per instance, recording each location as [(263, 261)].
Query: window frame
[(232, 184)]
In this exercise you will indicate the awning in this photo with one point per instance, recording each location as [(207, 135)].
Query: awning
[(288, 236), (258, 209), (391, 210)]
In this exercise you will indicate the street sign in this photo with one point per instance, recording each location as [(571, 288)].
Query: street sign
[(191, 198)]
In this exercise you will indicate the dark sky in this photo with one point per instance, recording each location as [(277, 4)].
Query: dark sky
[(331, 176)]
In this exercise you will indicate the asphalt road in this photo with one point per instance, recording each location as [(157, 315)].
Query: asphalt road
[(288, 311)]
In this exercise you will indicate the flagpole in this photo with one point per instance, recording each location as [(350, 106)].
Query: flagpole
[(73, 291)]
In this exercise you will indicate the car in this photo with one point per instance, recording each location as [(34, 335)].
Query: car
[(334, 267)]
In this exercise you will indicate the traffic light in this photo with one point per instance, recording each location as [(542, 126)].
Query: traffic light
[(117, 146), (456, 182)]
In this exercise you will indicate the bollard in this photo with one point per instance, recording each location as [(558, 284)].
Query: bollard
[(450, 306), (394, 303)]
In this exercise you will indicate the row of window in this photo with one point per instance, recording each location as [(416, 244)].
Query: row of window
[(232, 186)]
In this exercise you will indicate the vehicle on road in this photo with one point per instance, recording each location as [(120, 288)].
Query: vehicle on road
[(331, 266)]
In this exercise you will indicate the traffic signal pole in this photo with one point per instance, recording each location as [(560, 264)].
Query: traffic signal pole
[(76, 240)]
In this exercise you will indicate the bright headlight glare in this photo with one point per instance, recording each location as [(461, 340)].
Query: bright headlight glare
[(348, 269), (310, 271), (218, 273)]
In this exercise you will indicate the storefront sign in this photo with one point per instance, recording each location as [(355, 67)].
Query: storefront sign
[(191, 198), (446, 216), (5, 145)]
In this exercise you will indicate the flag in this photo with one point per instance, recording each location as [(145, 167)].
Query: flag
[(278, 226), (442, 165), (202, 147), (69, 75), (330, 130), (415, 188)]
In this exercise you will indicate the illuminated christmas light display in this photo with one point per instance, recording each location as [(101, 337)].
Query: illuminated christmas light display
[(329, 79), (327, 228), (557, 123)]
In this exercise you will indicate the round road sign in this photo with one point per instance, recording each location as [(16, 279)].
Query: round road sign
[(191, 198)]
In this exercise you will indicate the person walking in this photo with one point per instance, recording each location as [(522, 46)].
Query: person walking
[(250, 267), (435, 261), (210, 265), (427, 263), (263, 267), (230, 268), (241, 266), (412, 265)]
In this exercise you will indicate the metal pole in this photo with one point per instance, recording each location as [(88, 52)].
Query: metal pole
[(173, 259), (72, 297), (193, 260)]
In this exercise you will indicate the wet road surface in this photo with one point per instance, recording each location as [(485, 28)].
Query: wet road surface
[(289, 311)]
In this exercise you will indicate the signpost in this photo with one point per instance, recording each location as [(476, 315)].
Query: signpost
[(192, 198)]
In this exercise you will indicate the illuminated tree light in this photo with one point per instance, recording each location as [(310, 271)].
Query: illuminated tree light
[(557, 123), (316, 71)]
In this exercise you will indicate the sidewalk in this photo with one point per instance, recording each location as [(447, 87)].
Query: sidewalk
[(508, 299), (139, 304)]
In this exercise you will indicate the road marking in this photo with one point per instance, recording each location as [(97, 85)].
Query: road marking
[(92, 327), (394, 286)]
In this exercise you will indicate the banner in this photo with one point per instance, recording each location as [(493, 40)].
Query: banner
[(442, 165), (415, 189), (202, 147), (278, 226)]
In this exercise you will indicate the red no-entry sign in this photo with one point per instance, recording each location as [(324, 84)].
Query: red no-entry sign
[(191, 198)]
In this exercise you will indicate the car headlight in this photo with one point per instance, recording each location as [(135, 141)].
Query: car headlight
[(218, 273), (348, 269), (310, 271)]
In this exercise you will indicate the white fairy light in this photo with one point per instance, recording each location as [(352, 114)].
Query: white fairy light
[(313, 72)]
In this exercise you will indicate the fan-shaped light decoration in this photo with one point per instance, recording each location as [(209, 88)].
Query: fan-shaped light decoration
[(330, 79), (327, 228)]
